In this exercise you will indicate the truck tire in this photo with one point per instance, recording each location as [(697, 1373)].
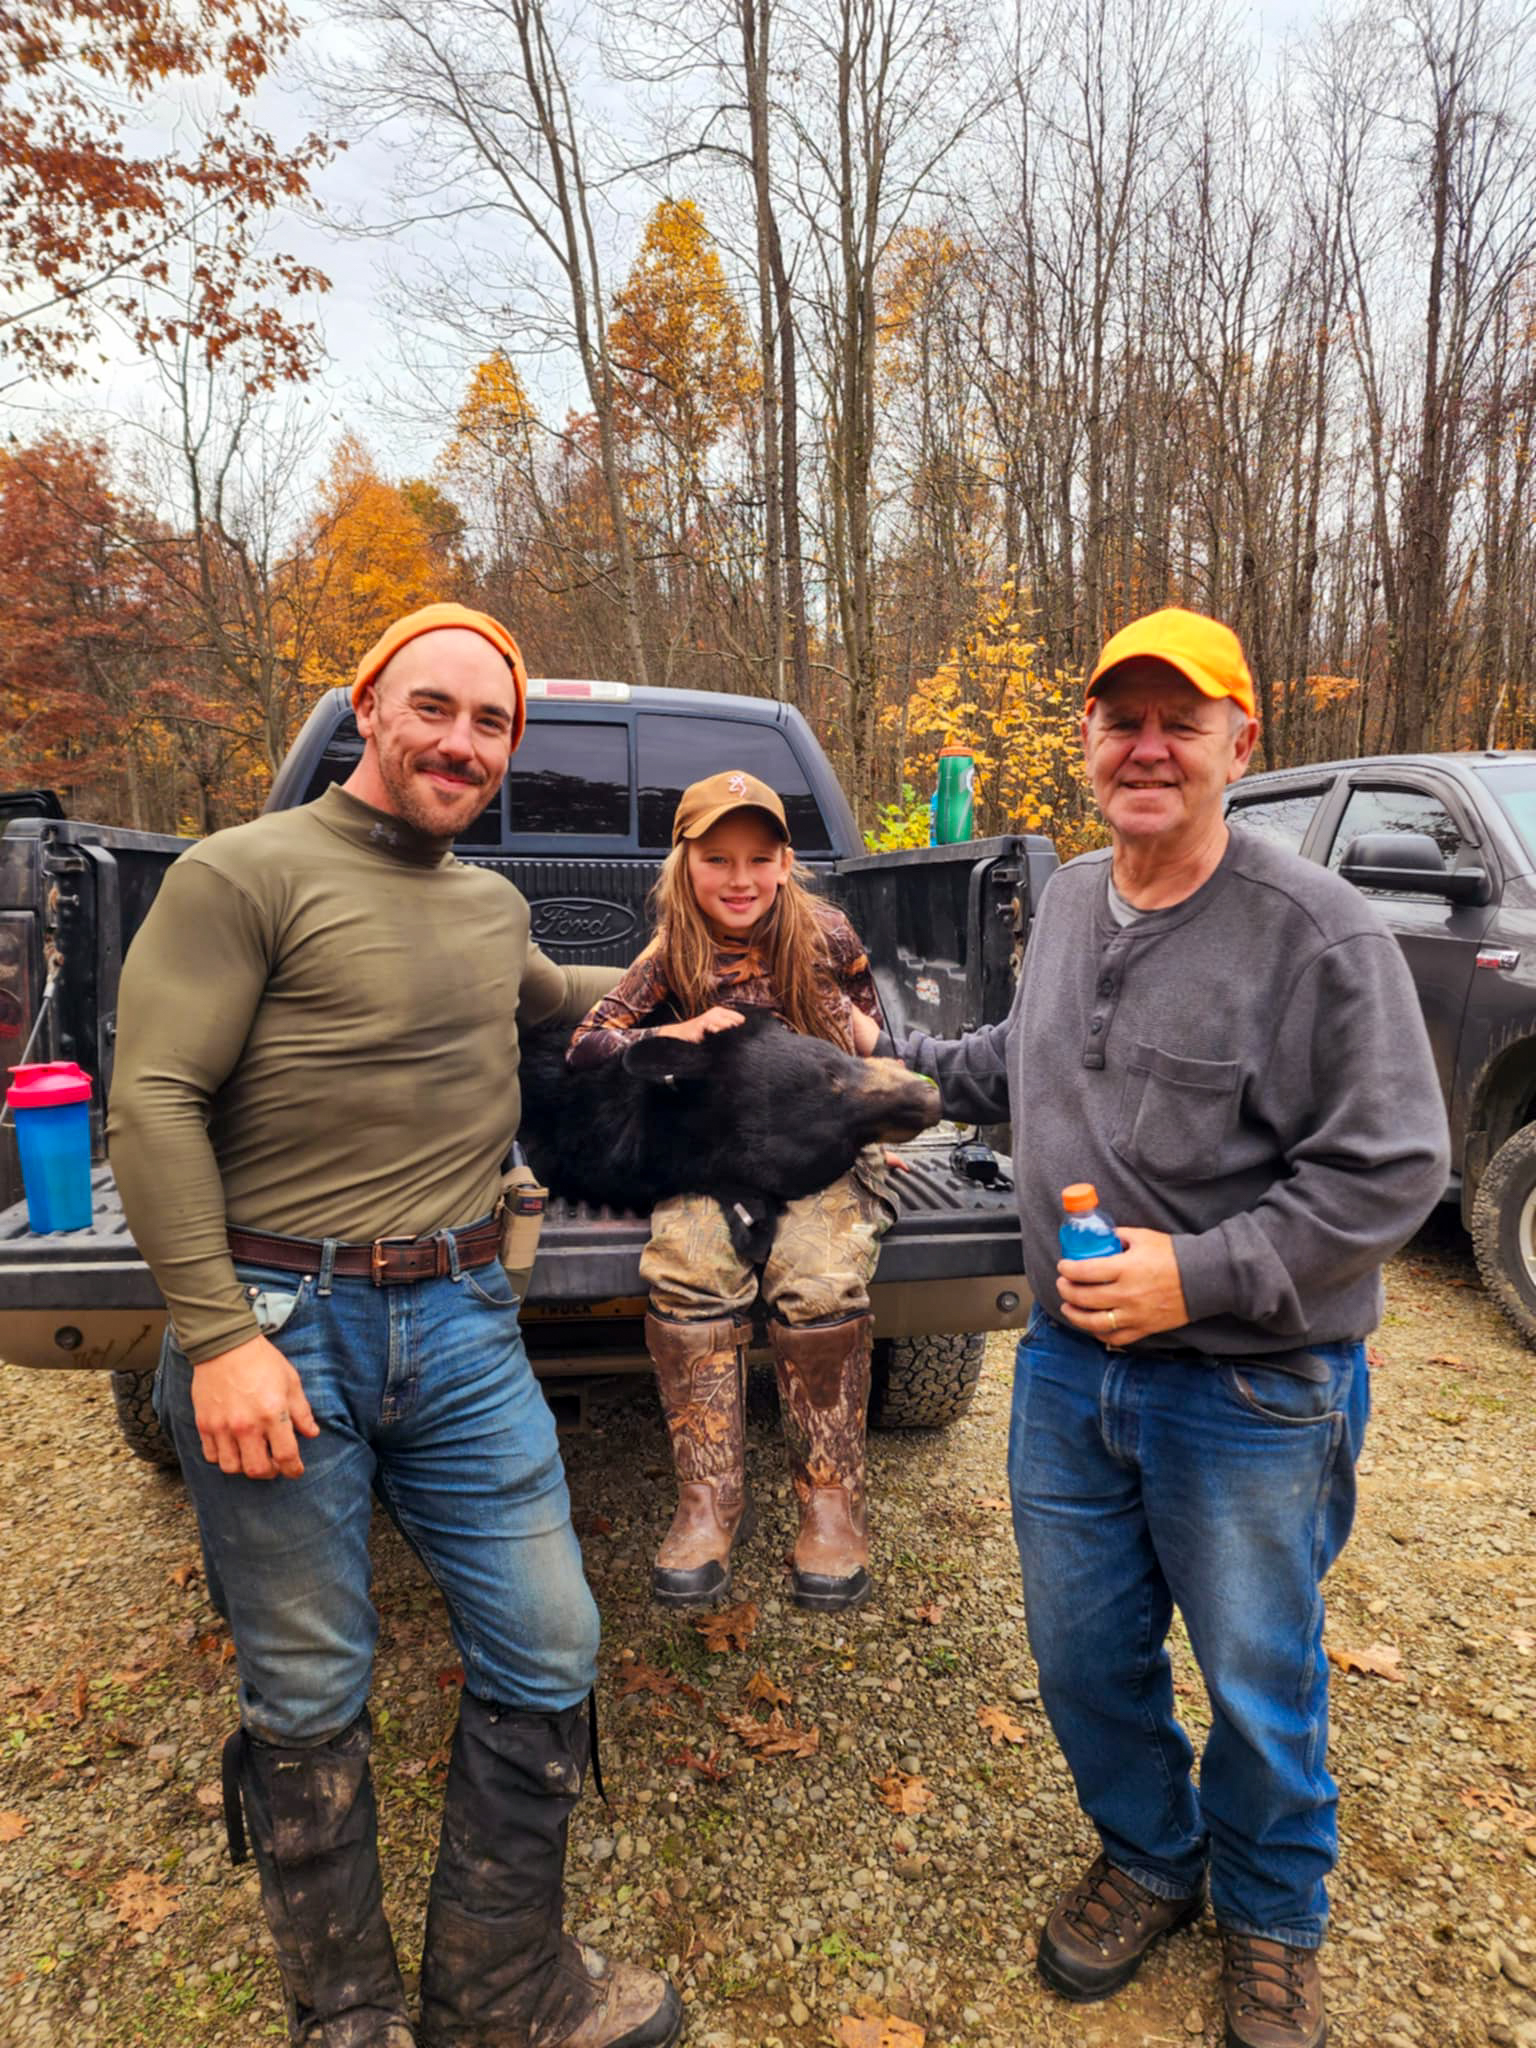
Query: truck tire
[(924, 1382), (137, 1421), (1504, 1230)]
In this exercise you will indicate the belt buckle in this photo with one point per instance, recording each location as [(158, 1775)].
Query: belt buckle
[(380, 1247)]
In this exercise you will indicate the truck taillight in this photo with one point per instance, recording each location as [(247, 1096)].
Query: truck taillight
[(16, 1005)]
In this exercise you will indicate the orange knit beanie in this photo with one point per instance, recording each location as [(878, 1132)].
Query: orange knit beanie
[(434, 618)]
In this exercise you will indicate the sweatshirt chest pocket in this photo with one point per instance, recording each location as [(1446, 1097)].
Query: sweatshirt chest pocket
[(1175, 1114)]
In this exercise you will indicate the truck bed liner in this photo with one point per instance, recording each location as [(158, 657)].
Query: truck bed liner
[(585, 1253)]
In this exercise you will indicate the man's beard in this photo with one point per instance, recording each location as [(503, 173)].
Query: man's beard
[(415, 804)]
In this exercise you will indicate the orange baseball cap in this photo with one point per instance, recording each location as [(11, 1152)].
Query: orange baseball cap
[(705, 803), (1205, 652), (436, 618)]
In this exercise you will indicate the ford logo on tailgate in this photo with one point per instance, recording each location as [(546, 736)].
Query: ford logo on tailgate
[(579, 921)]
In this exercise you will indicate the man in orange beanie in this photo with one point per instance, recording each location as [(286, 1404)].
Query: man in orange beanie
[(315, 1089)]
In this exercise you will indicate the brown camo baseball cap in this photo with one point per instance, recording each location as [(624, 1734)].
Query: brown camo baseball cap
[(705, 803)]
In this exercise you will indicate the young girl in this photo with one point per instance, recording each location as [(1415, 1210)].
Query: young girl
[(734, 925)]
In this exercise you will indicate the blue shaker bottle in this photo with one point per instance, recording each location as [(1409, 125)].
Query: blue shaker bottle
[(1086, 1232), (51, 1103)]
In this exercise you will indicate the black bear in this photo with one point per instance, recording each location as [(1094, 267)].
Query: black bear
[(756, 1116)]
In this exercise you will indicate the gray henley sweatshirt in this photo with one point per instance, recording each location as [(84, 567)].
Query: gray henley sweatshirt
[(1247, 1070)]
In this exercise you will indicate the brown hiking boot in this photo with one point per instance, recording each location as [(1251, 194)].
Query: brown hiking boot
[(1101, 1929), (823, 1371), (1272, 1994), (701, 1375)]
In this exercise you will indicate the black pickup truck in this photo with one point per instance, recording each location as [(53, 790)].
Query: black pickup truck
[(1446, 846), (580, 827)]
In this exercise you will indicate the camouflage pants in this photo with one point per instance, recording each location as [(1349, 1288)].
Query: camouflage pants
[(824, 1252)]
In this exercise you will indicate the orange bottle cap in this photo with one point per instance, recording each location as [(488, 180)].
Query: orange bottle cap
[(1081, 1196)]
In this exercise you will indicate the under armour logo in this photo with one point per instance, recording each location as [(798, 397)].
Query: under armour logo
[(737, 785)]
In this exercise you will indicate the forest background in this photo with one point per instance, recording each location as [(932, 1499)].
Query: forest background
[(883, 356)]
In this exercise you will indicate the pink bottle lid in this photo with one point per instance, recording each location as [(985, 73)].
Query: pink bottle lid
[(50, 1084)]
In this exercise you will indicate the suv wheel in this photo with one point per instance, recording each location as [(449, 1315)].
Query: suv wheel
[(924, 1382), (1504, 1230), (131, 1392)]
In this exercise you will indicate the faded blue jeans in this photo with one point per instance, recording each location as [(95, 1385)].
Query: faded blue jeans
[(425, 1399), (1140, 1482)]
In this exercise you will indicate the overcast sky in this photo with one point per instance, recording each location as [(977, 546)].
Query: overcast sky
[(370, 383)]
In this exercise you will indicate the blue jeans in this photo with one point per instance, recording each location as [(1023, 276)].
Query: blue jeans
[(424, 1397), (1139, 1481)]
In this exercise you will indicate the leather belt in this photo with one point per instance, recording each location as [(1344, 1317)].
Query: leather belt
[(387, 1262)]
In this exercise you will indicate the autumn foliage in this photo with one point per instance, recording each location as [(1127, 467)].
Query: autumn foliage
[(101, 221)]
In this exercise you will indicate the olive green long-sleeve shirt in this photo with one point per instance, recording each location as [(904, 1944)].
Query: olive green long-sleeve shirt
[(319, 1036)]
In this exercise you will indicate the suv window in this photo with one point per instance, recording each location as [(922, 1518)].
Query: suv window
[(676, 750), (570, 778), (1396, 810), (1283, 819)]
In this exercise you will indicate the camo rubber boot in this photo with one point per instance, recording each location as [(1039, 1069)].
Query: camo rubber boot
[(314, 1831), (823, 1372), (498, 1969), (701, 1372)]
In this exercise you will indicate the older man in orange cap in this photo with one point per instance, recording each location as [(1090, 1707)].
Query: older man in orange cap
[(1224, 1040), (315, 1089)]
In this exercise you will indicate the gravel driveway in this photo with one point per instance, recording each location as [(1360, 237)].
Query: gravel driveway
[(759, 1861)]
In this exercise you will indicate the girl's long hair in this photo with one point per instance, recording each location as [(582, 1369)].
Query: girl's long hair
[(790, 939)]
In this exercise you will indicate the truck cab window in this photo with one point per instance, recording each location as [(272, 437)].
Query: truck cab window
[(675, 751), (570, 779), (1282, 819), (1396, 810)]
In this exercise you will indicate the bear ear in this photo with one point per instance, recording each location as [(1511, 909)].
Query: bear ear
[(663, 1060)]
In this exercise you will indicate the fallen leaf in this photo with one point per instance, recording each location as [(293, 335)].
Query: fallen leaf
[(450, 1676), (183, 1574), (646, 1678), (1450, 1361), (761, 1687), (13, 1826), (730, 1629), (592, 1525), (1523, 1641), (883, 2031), (1000, 1725), (209, 1795), (1378, 1660), (82, 1699), (143, 1901), (775, 1736), (1375, 1357), (903, 1792), (933, 1613), (993, 1500), (709, 1767), (1501, 1800)]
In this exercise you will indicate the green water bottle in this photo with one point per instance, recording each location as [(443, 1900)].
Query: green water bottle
[(956, 796)]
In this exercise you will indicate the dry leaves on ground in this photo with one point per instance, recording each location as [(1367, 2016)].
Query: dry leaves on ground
[(1000, 1725), (13, 1826), (775, 1736), (761, 1687), (730, 1629), (992, 1500), (932, 1614), (903, 1791), (183, 1574), (1523, 1641), (1377, 1660), (882, 2031), (1500, 1799), (143, 1901), (709, 1767)]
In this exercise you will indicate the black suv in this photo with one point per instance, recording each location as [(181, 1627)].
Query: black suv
[(1446, 846)]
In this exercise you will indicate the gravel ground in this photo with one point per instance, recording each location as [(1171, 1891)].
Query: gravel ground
[(777, 1887)]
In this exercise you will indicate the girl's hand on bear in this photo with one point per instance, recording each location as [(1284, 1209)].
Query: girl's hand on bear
[(866, 1032), (698, 1028)]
